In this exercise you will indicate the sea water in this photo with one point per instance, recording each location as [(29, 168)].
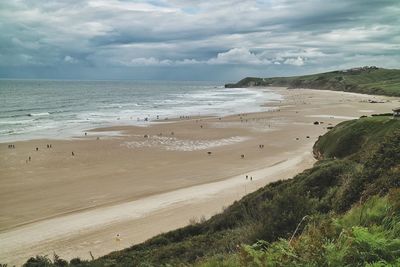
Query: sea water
[(56, 109)]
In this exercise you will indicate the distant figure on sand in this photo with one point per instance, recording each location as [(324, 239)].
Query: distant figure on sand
[(37, 149), (73, 154), (242, 156)]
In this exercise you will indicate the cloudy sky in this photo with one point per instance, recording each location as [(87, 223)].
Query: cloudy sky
[(221, 40)]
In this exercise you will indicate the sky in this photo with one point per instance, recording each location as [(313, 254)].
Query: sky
[(194, 40)]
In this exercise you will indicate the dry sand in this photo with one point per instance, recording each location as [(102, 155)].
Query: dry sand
[(138, 187)]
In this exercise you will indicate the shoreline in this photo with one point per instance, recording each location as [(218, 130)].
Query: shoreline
[(118, 133), (131, 118), (105, 175)]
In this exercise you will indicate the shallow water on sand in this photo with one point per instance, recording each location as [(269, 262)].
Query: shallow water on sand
[(60, 109)]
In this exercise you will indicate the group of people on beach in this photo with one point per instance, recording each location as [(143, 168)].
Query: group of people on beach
[(185, 117), (37, 149), (49, 146)]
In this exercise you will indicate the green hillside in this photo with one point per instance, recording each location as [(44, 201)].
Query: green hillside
[(350, 137), (367, 80), (367, 235), (346, 175)]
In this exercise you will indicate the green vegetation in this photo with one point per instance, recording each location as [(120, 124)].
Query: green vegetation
[(358, 165), (367, 80), (367, 235), (350, 137)]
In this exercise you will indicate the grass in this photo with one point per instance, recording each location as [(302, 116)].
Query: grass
[(352, 136), (376, 81), (367, 235)]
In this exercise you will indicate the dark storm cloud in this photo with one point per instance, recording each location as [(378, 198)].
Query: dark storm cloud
[(219, 39)]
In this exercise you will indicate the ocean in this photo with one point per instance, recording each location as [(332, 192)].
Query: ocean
[(56, 109)]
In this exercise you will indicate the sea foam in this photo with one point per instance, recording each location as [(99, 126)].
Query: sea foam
[(174, 144), (64, 109)]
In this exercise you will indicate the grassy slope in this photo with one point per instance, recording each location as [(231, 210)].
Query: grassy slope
[(352, 136), (333, 185), (367, 235), (370, 81)]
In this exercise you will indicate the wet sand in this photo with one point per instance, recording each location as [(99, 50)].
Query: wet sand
[(138, 186)]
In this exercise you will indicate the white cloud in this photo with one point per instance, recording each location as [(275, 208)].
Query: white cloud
[(238, 56), (128, 6), (304, 53), (70, 60), (151, 61), (188, 62), (232, 56), (223, 35), (298, 61)]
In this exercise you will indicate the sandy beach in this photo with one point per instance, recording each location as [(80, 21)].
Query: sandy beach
[(76, 196)]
